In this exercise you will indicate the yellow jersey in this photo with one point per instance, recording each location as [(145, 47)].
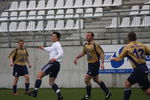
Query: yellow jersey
[(19, 56), (93, 51), (136, 52)]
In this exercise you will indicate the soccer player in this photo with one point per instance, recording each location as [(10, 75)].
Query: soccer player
[(136, 52), (52, 67), (19, 61), (94, 53)]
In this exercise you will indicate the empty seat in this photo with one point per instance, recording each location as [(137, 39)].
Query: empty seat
[(107, 3), (125, 22), (78, 12), (22, 15), (14, 5), (146, 21), (40, 14), (50, 14), (98, 3), (113, 23), (39, 26), (98, 12), (50, 25), (88, 12), (12, 26), (22, 26), (59, 25), (69, 13), (69, 3), (78, 3), (135, 10), (145, 9), (4, 27), (69, 24), (88, 3), (50, 4), (59, 4), (32, 15), (117, 3), (23, 5), (41, 4), (32, 4), (79, 24), (31, 26), (4, 16), (59, 14), (136, 22), (13, 15)]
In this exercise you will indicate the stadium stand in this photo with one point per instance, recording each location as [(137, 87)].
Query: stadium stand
[(106, 18)]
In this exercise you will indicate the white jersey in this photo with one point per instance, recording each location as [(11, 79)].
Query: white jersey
[(55, 51)]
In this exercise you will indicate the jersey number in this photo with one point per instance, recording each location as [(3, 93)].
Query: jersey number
[(139, 53)]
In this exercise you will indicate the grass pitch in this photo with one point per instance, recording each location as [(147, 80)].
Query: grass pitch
[(72, 94)]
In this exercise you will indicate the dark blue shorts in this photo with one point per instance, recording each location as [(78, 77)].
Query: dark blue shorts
[(52, 69), (93, 68), (20, 70), (140, 76)]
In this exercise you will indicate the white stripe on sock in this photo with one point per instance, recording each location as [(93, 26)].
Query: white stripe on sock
[(58, 91)]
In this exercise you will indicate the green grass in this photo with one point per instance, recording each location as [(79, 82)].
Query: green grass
[(72, 94)]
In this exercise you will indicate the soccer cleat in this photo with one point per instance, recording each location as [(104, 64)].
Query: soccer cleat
[(32, 93), (27, 93), (108, 95), (60, 98), (86, 97)]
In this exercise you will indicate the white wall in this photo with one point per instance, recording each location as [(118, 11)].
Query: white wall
[(70, 75)]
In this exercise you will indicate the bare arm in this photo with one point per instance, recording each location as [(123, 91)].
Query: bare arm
[(78, 57), (11, 61), (102, 57), (28, 62)]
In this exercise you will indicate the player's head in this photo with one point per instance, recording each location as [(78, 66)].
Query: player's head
[(20, 43), (89, 36), (55, 36), (132, 36)]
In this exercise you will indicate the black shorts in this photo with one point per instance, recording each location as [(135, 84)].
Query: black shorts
[(93, 68), (52, 69), (20, 70), (140, 76)]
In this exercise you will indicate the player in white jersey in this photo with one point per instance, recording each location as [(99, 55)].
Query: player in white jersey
[(52, 67)]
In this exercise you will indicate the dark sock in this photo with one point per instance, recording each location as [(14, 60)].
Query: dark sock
[(37, 85), (14, 88), (27, 86), (56, 89), (127, 93), (88, 90), (103, 87)]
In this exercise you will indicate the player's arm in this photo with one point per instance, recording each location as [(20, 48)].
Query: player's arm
[(27, 57), (81, 54), (11, 56), (121, 56), (59, 55), (48, 49), (101, 54), (147, 50)]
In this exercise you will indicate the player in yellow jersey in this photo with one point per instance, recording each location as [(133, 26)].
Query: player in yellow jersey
[(19, 60), (94, 53), (136, 52)]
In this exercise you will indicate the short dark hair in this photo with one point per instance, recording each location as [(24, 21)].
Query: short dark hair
[(132, 36), (57, 34), (20, 40), (92, 34)]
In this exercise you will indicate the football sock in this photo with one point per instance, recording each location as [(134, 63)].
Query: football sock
[(14, 88), (103, 87), (127, 93), (56, 89), (37, 85), (88, 90), (27, 86)]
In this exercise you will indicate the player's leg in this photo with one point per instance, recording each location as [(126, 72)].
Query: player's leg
[(37, 84), (27, 83), (147, 91), (87, 80), (15, 85), (102, 86), (25, 73), (127, 90), (55, 87)]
